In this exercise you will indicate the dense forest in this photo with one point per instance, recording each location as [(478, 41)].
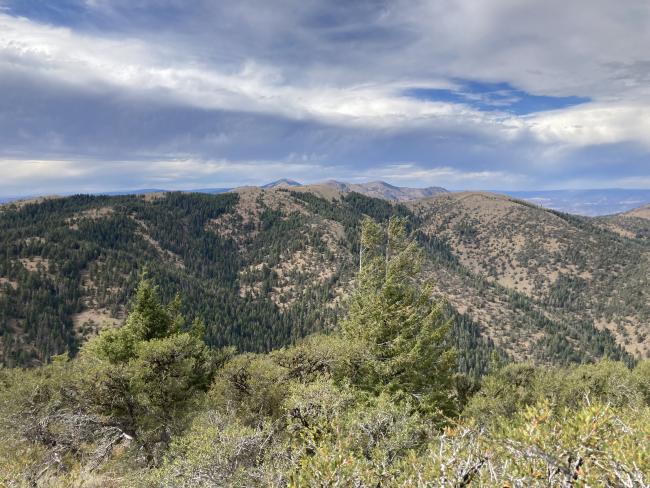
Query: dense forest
[(96, 262), (65, 256), (263, 269), (378, 401)]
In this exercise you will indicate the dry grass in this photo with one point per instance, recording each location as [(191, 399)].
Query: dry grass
[(35, 263), (90, 214), (304, 264), (89, 323), (526, 249), (504, 231), (29, 201), (252, 202), (641, 213), (322, 190), (7, 282)]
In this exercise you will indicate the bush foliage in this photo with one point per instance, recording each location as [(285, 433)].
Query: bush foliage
[(377, 404)]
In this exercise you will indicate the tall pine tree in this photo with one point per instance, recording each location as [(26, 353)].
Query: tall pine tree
[(393, 314)]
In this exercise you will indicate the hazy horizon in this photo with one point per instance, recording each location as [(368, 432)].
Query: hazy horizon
[(172, 188), (588, 202)]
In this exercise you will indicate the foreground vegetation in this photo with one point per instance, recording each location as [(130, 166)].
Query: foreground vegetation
[(377, 403)]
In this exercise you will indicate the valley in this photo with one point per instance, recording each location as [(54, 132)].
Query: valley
[(264, 267)]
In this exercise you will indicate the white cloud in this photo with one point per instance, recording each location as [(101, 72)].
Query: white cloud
[(134, 65), (22, 171), (129, 64), (453, 178), (640, 182), (26, 177), (594, 124), (92, 62), (327, 66)]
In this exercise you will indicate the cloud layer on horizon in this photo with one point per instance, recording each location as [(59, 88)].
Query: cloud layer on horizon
[(115, 94)]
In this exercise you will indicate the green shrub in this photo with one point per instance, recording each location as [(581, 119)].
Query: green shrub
[(252, 386)]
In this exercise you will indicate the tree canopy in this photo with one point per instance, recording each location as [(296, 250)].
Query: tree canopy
[(393, 314)]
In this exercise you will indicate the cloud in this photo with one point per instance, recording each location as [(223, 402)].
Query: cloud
[(25, 177), (605, 123), (230, 83), (413, 174), (92, 63)]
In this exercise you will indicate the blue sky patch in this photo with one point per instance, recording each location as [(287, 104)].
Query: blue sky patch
[(490, 97)]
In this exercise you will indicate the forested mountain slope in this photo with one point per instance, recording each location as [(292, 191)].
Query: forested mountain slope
[(264, 267), (572, 270), (634, 224), (71, 264)]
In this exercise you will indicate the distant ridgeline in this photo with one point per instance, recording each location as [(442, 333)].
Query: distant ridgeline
[(264, 267)]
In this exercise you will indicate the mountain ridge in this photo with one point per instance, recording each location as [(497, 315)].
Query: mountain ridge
[(377, 189), (593, 203), (267, 266), (589, 202)]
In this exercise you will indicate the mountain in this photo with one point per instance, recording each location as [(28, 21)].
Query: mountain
[(381, 189), (375, 189), (282, 183), (212, 191), (633, 224), (568, 268), (264, 267), (579, 202), (586, 202), (139, 191), (640, 213)]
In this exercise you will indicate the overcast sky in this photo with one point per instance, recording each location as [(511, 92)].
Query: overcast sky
[(100, 95)]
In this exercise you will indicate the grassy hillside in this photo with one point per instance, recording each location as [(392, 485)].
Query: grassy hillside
[(634, 224), (265, 267), (563, 268)]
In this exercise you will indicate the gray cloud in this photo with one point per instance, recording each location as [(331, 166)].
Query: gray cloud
[(314, 89)]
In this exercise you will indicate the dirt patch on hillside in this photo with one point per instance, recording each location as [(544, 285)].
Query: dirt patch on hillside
[(7, 281), (89, 323), (36, 263), (150, 197), (641, 213), (90, 214)]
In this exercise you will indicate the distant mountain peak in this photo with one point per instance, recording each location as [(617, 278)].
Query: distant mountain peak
[(381, 183), (381, 189), (376, 189), (282, 182)]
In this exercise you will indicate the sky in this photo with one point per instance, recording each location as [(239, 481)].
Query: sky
[(100, 95)]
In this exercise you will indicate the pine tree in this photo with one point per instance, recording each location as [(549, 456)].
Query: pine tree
[(147, 376), (392, 313)]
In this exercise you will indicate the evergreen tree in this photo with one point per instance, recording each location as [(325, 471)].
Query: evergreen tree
[(402, 328), (148, 375)]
